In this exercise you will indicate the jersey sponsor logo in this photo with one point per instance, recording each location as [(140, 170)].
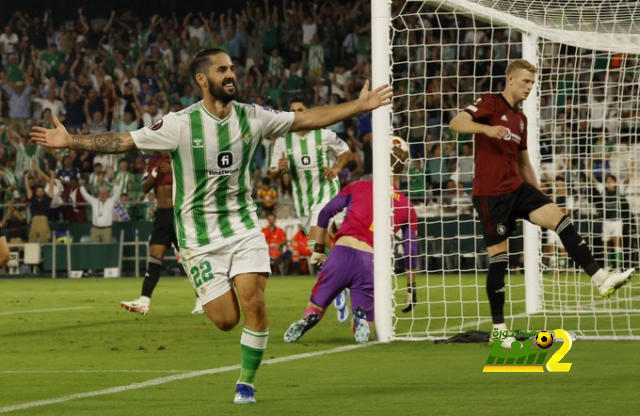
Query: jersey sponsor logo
[(472, 108), (512, 137), (305, 160), (156, 126), (504, 118), (501, 229), (225, 159)]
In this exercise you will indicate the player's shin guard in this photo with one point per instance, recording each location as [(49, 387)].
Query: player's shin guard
[(495, 285), (252, 346), (576, 246), (152, 276)]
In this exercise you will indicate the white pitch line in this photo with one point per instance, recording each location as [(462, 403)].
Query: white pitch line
[(79, 308), (168, 379)]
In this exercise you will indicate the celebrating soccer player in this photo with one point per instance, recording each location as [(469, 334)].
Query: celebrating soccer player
[(350, 263), (314, 158), (505, 187), (212, 143)]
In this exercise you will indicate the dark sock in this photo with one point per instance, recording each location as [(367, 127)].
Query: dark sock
[(152, 276), (495, 285), (576, 246)]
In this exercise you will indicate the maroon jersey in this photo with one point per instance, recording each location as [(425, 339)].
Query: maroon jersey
[(162, 178), (496, 161)]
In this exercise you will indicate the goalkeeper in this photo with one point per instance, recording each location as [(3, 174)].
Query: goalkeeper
[(505, 187), (350, 263)]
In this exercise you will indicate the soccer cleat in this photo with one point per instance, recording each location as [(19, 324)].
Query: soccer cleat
[(506, 343), (136, 306), (412, 299), (614, 281), (245, 394), (361, 330), (197, 309), (340, 302), (297, 329)]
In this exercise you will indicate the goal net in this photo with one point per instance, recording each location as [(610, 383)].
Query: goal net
[(584, 126)]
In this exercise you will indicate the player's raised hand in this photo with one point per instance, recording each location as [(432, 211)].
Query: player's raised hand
[(496, 132), (370, 100), (58, 137), (283, 163)]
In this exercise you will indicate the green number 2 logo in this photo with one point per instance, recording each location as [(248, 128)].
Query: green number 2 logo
[(554, 364), (201, 273)]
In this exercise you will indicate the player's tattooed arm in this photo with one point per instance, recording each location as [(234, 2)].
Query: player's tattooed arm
[(104, 142)]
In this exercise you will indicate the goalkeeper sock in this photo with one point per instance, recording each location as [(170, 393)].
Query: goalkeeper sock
[(495, 286), (576, 246), (252, 346), (151, 277)]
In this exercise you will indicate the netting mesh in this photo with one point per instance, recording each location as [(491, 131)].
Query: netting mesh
[(445, 56)]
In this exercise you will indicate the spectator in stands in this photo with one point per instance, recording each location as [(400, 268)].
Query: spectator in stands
[(9, 42), (19, 94), (101, 212), (124, 177), (417, 185), (15, 223), (68, 171), (299, 250), (464, 168), (267, 197), (284, 209), (75, 210), (277, 241), (39, 204)]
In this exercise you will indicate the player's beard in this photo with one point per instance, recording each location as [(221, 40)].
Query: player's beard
[(220, 94)]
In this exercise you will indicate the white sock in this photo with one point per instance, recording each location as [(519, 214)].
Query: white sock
[(600, 276)]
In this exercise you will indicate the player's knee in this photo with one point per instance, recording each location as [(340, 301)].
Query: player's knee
[(226, 323)]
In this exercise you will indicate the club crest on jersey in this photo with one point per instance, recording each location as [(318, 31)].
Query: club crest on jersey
[(501, 229), (156, 126), (246, 138), (521, 126)]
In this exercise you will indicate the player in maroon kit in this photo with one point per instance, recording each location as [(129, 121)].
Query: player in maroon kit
[(159, 178), (350, 263), (505, 186)]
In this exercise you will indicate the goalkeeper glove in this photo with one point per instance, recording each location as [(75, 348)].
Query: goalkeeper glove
[(318, 257)]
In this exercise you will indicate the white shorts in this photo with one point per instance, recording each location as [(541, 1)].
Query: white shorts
[(611, 229), (211, 268), (311, 219), (554, 239)]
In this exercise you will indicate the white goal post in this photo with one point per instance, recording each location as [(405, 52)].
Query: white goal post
[(584, 130)]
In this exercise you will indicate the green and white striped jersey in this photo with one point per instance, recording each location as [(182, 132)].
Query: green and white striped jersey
[(211, 158), (307, 156)]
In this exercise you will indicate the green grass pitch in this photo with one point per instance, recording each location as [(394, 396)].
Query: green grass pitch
[(61, 339)]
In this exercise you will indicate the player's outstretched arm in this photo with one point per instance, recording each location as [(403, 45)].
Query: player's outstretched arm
[(320, 117), (59, 137), (463, 123)]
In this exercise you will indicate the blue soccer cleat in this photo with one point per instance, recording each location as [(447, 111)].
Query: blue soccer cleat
[(298, 328), (245, 394), (340, 302), (361, 327)]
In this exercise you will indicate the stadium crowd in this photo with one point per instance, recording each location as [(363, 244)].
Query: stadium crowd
[(120, 72)]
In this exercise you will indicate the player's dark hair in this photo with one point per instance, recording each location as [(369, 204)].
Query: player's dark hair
[(608, 175), (297, 100), (266, 181), (200, 63)]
